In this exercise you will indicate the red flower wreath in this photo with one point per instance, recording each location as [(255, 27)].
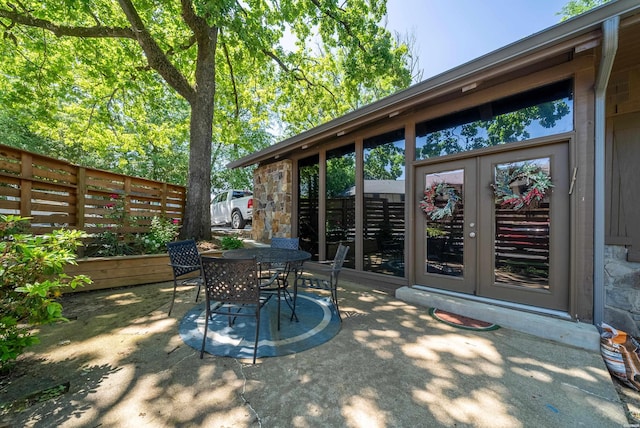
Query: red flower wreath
[(536, 180)]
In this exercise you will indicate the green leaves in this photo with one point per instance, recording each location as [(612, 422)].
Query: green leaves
[(31, 277), (576, 7), (137, 86)]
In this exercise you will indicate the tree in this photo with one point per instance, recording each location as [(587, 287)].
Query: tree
[(576, 7), (223, 58)]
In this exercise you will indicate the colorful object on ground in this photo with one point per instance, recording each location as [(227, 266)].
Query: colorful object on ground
[(461, 321)]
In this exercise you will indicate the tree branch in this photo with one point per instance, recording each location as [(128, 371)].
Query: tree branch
[(344, 24), (155, 56), (207, 40), (98, 31), (233, 79), (298, 74)]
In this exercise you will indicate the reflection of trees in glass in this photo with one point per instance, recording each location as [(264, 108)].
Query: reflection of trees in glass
[(384, 162), (308, 201), (536, 113), (341, 175), (505, 128), (309, 176)]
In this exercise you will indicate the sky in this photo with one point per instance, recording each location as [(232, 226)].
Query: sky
[(449, 33)]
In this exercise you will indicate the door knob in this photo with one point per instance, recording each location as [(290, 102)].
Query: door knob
[(472, 235)]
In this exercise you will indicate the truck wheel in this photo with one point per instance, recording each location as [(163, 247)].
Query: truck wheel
[(237, 222)]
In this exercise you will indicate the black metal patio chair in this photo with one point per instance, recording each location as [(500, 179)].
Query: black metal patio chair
[(275, 275), (232, 289), (185, 261), (278, 284), (332, 270), (287, 243)]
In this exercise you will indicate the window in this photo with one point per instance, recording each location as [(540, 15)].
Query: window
[(384, 199), (308, 191), (341, 209), (536, 113)]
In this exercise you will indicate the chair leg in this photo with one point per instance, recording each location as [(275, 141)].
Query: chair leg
[(278, 308), (173, 299), (255, 344), (334, 297), (294, 301), (206, 325)]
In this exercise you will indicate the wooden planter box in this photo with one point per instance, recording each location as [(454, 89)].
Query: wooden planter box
[(120, 271)]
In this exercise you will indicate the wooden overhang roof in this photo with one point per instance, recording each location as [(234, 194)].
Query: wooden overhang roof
[(575, 34)]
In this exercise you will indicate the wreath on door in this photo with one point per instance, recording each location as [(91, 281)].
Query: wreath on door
[(439, 191), (521, 186)]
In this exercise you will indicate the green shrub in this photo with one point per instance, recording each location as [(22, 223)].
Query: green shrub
[(162, 232), (115, 243), (231, 243), (31, 278)]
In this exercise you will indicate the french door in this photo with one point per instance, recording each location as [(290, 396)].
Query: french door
[(509, 244)]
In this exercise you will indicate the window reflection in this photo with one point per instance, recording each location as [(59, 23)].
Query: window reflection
[(341, 210), (308, 192), (444, 222), (537, 113), (522, 231), (384, 199)]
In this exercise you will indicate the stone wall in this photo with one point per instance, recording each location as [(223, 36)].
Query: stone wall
[(622, 291), (272, 201)]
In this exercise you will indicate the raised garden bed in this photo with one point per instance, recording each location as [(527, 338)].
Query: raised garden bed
[(120, 271)]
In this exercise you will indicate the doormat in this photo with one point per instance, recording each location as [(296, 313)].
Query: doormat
[(461, 321)]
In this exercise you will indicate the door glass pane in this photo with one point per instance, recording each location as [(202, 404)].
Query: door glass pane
[(383, 225), (341, 208), (308, 191), (522, 223), (443, 212)]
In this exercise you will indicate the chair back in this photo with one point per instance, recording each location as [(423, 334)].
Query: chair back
[(184, 257), (341, 255), (231, 280), (287, 243)]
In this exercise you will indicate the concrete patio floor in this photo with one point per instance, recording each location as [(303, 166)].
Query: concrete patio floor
[(391, 365)]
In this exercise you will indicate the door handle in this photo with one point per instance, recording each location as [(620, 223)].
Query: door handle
[(472, 235)]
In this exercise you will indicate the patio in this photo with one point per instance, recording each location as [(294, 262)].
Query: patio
[(391, 364)]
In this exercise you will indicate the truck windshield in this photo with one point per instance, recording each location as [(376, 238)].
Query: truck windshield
[(241, 194)]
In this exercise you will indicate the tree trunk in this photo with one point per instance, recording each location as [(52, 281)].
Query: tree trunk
[(197, 221)]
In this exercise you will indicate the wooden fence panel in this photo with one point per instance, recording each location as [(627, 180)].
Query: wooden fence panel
[(58, 194)]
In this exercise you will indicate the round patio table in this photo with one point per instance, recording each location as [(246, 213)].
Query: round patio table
[(285, 259), (268, 254)]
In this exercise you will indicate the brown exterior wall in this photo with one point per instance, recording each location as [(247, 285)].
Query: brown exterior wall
[(622, 253), (578, 60)]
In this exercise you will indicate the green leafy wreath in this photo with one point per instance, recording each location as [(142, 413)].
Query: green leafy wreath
[(537, 183), (442, 190)]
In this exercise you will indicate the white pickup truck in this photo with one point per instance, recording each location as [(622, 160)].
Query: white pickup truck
[(234, 207)]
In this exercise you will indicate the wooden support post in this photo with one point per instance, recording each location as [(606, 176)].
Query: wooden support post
[(81, 191), (26, 175)]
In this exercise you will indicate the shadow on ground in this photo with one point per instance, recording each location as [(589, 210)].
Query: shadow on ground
[(391, 365)]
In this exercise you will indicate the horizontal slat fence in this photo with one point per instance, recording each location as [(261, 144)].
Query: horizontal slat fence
[(57, 194)]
